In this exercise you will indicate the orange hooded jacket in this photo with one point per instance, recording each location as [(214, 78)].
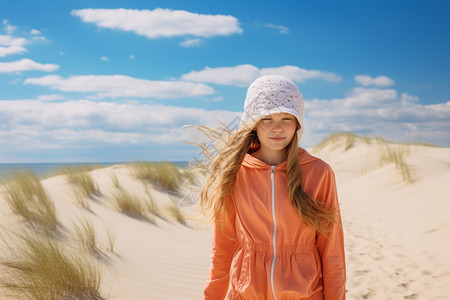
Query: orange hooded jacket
[(265, 251)]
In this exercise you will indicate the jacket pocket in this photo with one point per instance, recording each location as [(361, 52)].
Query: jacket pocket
[(239, 272), (307, 264)]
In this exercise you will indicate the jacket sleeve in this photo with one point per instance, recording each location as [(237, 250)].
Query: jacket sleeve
[(331, 246), (224, 245)]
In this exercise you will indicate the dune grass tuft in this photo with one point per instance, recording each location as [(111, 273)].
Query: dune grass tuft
[(81, 177), (115, 180), (111, 239), (86, 234), (84, 185), (348, 138), (82, 200), (397, 155), (384, 152), (151, 206), (175, 212), (27, 197), (129, 203), (162, 175), (40, 268)]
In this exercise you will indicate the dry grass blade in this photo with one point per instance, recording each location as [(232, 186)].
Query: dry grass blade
[(27, 197), (397, 156), (111, 239), (81, 177), (176, 213), (39, 267), (115, 180), (151, 205), (86, 234), (384, 152), (348, 137), (161, 175), (129, 204)]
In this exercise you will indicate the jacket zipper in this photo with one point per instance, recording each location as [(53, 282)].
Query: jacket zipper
[(274, 230)]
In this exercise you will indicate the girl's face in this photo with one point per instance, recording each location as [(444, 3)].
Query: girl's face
[(276, 131)]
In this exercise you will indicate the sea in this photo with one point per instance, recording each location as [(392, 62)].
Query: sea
[(43, 170)]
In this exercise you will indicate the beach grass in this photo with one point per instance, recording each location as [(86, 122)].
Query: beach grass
[(129, 203), (84, 186), (397, 155), (348, 139), (27, 197), (39, 267), (111, 239), (150, 204), (163, 175), (82, 179), (81, 198), (175, 213), (385, 153), (86, 234), (115, 180)]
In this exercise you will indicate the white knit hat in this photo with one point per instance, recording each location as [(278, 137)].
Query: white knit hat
[(271, 94)]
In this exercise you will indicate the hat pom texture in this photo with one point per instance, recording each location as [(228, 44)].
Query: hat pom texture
[(271, 94)]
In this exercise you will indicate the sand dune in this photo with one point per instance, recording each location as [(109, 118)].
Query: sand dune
[(397, 233), (396, 229)]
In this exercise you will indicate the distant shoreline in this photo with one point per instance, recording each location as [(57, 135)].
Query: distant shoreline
[(46, 169)]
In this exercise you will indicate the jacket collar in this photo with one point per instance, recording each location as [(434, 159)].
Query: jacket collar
[(252, 162)]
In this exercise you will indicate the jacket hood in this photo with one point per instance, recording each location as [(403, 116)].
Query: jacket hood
[(252, 162)]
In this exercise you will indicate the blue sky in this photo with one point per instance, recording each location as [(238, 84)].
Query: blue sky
[(98, 81)]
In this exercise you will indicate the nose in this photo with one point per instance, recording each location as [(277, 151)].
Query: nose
[(277, 127)]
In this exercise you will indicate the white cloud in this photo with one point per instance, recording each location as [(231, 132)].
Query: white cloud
[(373, 97), (131, 57), (281, 29), (122, 86), (52, 126), (240, 75), (104, 58), (300, 75), (25, 65), (38, 125), (243, 75), (378, 112), (39, 39), (9, 29), (405, 98), (190, 43), (12, 45), (161, 22), (51, 97), (380, 81)]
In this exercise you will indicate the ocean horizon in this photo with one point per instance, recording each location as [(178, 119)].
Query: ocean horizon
[(48, 169)]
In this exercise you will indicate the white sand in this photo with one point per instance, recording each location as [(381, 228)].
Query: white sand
[(397, 233)]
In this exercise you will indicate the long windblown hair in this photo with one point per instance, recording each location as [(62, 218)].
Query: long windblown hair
[(224, 161)]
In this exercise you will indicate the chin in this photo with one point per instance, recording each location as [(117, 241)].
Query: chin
[(278, 148)]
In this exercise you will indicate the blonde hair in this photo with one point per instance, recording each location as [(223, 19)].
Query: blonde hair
[(224, 162)]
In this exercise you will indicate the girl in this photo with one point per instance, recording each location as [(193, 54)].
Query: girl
[(277, 227)]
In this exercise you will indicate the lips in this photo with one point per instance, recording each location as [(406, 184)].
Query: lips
[(277, 138)]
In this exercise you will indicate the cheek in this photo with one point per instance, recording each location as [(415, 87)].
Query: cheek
[(260, 128), (292, 126), (291, 130)]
